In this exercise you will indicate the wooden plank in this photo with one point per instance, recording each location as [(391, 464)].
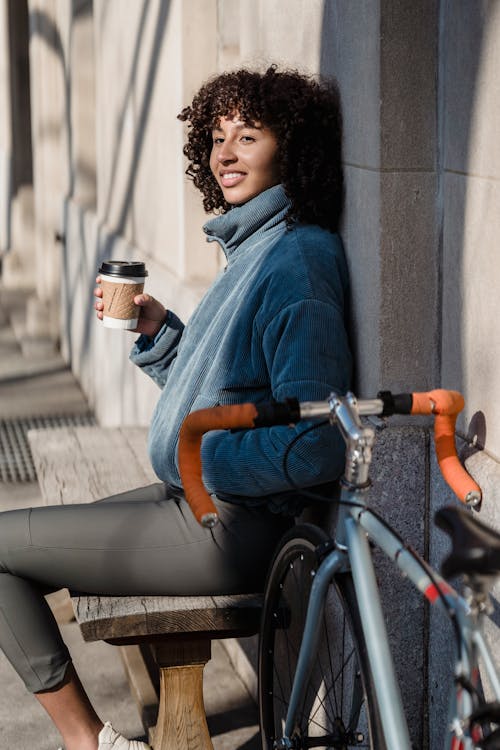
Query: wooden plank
[(81, 464), (114, 618)]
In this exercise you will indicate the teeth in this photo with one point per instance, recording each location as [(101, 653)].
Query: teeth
[(231, 175)]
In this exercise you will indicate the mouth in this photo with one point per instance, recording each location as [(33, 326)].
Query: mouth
[(229, 179)]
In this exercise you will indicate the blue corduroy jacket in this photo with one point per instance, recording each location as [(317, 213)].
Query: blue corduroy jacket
[(272, 325)]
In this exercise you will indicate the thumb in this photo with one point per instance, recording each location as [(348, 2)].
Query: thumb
[(143, 299)]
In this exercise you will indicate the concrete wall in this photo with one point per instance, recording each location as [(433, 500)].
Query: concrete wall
[(384, 56), (471, 192), (469, 170)]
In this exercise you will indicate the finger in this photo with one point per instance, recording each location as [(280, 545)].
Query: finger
[(143, 299), (99, 305), (98, 279), (98, 292)]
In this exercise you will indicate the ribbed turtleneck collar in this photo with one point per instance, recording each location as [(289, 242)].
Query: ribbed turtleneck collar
[(260, 214)]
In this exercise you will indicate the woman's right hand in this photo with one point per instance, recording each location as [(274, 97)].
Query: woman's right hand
[(152, 313)]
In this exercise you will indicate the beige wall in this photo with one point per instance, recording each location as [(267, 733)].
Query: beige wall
[(471, 228)]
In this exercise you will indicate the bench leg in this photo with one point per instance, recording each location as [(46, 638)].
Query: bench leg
[(182, 722)]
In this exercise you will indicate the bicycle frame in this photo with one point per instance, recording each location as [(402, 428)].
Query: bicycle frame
[(355, 526)]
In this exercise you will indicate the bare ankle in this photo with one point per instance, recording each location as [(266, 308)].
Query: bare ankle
[(81, 743), (71, 711)]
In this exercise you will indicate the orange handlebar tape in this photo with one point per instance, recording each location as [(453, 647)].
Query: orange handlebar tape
[(439, 401), (238, 416), (446, 405)]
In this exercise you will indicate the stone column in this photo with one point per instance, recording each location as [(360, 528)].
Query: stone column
[(19, 264), (5, 131), (49, 24), (386, 60)]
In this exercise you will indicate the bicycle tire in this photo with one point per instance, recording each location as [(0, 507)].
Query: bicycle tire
[(339, 709)]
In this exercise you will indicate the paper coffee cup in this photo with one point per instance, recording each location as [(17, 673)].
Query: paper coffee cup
[(121, 281)]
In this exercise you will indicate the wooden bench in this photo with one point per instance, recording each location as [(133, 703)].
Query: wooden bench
[(165, 641)]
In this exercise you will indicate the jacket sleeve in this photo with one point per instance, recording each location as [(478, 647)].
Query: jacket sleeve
[(155, 356), (307, 355)]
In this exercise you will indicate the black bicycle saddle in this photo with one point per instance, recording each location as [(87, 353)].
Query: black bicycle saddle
[(475, 547)]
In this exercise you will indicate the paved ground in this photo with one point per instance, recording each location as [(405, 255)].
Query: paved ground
[(43, 386)]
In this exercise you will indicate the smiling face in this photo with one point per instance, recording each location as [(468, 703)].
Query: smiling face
[(243, 159)]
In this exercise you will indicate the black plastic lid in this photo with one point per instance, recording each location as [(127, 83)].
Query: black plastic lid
[(123, 268)]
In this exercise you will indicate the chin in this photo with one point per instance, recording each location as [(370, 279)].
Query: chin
[(240, 201)]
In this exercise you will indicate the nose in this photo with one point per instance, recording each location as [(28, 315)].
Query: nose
[(226, 153)]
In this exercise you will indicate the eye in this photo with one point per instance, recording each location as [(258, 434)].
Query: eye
[(247, 139), (217, 140)]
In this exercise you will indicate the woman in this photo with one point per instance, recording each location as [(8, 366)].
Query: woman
[(264, 149)]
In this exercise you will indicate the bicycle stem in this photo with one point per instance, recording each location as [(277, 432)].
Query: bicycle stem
[(345, 411), (359, 438)]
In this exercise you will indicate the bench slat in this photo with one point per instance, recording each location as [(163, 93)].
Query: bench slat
[(81, 464), (107, 617)]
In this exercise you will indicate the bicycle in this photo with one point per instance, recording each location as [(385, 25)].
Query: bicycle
[(322, 617)]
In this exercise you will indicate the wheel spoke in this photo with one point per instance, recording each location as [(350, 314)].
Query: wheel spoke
[(340, 673), (330, 658)]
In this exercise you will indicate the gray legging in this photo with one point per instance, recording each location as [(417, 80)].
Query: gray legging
[(143, 542)]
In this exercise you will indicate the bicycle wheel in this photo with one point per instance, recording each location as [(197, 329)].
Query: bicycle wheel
[(338, 708)]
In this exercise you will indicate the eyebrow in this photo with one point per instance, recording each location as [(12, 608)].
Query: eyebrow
[(240, 126)]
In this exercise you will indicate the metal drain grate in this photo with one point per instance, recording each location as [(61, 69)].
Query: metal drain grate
[(16, 461)]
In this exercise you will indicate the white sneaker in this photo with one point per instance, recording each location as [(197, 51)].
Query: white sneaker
[(111, 740)]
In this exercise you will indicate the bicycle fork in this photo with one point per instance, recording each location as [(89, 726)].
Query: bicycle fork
[(330, 565)]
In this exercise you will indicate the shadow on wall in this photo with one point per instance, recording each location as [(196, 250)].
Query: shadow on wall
[(330, 38)]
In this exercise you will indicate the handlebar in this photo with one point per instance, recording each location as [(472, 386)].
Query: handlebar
[(445, 405)]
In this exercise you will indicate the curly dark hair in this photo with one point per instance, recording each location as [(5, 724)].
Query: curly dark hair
[(304, 116)]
